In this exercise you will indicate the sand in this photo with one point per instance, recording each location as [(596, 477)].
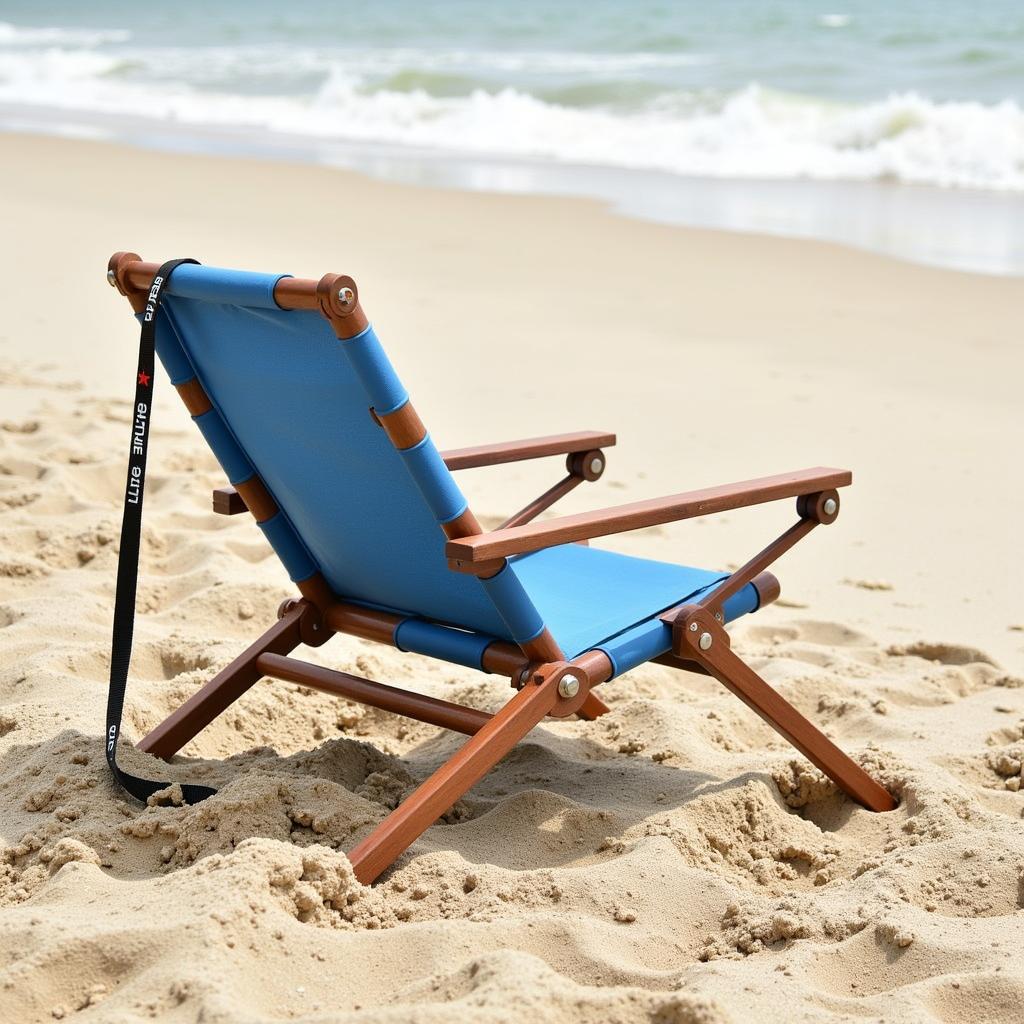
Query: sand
[(673, 861)]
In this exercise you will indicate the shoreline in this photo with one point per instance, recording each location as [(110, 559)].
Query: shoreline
[(969, 230)]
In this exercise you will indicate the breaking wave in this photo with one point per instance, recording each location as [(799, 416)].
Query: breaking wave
[(603, 110)]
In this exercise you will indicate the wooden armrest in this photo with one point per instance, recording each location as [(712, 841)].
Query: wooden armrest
[(638, 514), (530, 448), (228, 502)]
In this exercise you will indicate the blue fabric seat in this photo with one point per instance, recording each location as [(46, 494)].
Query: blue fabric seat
[(594, 598), (293, 404)]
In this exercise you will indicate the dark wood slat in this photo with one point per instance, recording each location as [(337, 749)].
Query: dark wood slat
[(639, 514), (228, 502), (223, 690), (529, 448), (740, 679)]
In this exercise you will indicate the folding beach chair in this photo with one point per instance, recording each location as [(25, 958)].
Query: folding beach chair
[(294, 394)]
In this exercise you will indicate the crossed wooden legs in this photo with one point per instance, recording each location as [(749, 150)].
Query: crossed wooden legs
[(492, 736), (699, 637), (700, 641), (593, 707), (453, 779)]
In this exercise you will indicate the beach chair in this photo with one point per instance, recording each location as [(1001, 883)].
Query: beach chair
[(294, 394)]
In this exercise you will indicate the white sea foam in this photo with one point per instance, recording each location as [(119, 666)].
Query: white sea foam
[(750, 133), (12, 35)]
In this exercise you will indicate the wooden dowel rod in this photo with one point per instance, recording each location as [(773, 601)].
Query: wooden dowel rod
[(502, 658), (442, 713), (716, 598), (368, 623), (545, 501), (289, 292)]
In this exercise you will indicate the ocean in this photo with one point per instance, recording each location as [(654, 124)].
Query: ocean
[(897, 127)]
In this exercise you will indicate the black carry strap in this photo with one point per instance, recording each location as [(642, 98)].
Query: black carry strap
[(128, 559)]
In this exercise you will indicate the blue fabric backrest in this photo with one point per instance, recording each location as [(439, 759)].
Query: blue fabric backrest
[(291, 402)]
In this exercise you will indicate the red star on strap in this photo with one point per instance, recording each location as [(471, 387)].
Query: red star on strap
[(144, 378)]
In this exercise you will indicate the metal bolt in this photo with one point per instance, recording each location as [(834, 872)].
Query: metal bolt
[(693, 627), (705, 641), (568, 686), (524, 676), (111, 278), (346, 296), (718, 616), (830, 507), (596, 465)]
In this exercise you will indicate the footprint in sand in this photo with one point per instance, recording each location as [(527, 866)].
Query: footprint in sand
[(19, 467), (944, 654), (868, 584)]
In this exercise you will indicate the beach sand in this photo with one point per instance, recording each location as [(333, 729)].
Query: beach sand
[(672, 862)]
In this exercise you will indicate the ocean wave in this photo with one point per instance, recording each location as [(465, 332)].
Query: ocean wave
[(14, 35), (445, 101)]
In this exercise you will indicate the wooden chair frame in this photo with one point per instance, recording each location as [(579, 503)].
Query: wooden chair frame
[(546, 682)]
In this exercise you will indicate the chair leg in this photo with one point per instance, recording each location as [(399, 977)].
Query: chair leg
[(224, 689), (708, 645), (593, 707), (404, 825)]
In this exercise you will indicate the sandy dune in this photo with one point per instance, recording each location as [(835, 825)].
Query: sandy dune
[(671, 862)]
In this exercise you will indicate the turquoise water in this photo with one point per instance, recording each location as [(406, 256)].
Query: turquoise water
[(910, 93)]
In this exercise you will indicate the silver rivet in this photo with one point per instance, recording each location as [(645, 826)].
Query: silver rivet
[(596, 465), (111, 278), (346, 296), (830, 507), (568, 686), (705, 641), (718, 616), (693, 627)]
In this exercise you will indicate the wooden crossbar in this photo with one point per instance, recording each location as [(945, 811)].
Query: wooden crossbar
[(443, 713)]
